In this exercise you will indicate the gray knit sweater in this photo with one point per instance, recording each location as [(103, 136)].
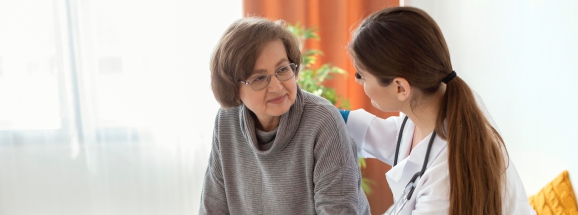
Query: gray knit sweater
[(311, 167)]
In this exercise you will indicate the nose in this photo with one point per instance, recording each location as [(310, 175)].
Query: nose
[(274, 85)]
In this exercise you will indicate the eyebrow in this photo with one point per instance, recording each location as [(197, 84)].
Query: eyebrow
[(276, 65)]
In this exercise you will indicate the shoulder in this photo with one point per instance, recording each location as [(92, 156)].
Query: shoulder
[(227, 120), (224, 112), (324, 120), (319, 109), (225, 115), (314, 99), (485, 110)]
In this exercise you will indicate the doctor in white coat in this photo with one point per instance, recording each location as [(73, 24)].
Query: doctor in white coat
[(447, 157)]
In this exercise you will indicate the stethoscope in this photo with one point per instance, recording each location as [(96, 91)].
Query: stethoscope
[(410, 187)]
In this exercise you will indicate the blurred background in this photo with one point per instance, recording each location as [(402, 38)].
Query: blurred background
[(105, 106)]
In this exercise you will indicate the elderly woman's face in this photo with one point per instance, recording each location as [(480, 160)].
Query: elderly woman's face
[(278, 97)]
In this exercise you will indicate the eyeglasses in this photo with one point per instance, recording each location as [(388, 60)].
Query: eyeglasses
[(262, 81)]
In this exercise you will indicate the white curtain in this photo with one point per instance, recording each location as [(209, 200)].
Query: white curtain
[(105, 106)]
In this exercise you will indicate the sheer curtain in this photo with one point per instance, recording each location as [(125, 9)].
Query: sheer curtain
[(105, 106)]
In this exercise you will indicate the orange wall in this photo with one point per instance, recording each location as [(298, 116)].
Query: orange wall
[(336, 19)]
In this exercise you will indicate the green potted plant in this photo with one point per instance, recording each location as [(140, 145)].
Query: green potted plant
[(311, 80)]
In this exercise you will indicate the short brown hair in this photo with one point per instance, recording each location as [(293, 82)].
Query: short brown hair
[(236, 53)]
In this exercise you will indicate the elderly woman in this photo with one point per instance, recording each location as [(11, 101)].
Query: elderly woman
[(276, 148)]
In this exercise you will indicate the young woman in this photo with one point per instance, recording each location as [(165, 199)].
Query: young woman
[(447, 157)]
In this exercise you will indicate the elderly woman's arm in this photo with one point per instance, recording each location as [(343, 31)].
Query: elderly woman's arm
[(213, 197), (337, 176)]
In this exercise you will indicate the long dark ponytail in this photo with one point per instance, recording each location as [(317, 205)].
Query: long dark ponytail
[(406, 42)]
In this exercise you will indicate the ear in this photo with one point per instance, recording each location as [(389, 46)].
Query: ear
[(403, 89)]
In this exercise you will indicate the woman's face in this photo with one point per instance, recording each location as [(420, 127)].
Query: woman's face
[(278, 97), (383, 98)]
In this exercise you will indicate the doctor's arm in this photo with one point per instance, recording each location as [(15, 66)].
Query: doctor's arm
[(375, 137)]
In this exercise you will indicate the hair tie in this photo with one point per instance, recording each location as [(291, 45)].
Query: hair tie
[(448, 78)]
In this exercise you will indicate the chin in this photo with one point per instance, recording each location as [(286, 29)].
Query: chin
[(375, 105), (280, 110)]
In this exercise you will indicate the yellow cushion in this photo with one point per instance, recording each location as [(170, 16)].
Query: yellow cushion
[(556, 198)]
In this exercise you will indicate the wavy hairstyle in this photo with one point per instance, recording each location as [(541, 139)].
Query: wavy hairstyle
[(237, 51), (406, 42)]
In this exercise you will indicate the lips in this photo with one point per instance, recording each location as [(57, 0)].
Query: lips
[(278, 100)]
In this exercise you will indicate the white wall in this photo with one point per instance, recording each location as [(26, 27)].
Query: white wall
[(522, 58)]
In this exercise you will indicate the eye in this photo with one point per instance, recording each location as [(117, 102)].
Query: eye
[(358, 76), (283, 69), (259, 78)]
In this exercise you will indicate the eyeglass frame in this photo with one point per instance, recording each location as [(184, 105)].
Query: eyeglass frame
[(292, 66)]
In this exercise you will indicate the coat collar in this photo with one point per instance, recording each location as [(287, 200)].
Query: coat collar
[(408, 164)]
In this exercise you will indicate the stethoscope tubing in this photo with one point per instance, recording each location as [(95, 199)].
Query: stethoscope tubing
[(417, 175)]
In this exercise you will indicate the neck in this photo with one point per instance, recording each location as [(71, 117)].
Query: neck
[(425, 121), (424, 116), (268, 123)]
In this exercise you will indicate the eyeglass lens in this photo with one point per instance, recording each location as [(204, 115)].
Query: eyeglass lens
[(284, 73)]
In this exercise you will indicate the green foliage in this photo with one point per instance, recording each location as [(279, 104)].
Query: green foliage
[(311, 80), (366, 183)]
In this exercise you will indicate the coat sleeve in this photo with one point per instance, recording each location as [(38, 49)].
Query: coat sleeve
[(375, 137), (336, 177), (213, 196)]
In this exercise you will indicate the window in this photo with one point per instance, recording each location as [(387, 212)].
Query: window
[(105, 106)]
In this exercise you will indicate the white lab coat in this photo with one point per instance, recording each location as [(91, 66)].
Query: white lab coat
[(377, 138)]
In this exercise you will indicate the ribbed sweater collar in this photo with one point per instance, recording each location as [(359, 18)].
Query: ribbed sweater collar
[(288, 125)]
